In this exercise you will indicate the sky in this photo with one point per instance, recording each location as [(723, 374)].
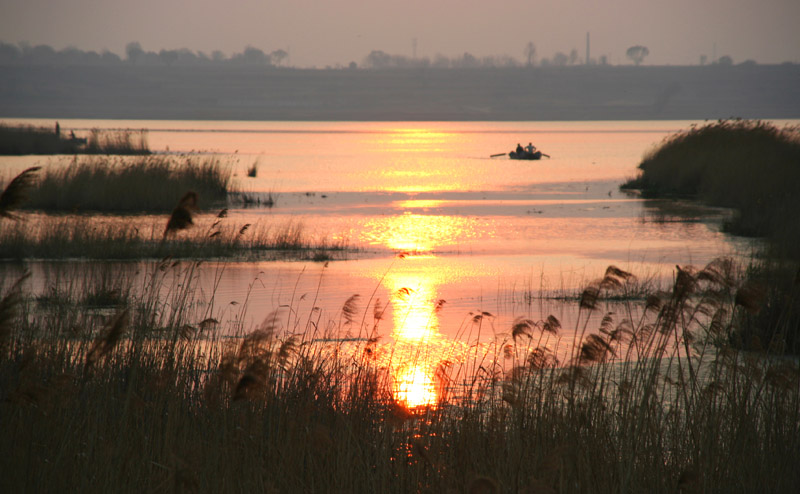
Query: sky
[(324, 33)]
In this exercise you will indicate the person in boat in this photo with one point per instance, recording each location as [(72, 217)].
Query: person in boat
[(530, 148), (519, 150)]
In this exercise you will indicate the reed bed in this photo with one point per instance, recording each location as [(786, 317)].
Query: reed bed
[(129, 185), (28, 139), (144, 237), (154, 397), (748, 165), (120, 142), (754, 168)]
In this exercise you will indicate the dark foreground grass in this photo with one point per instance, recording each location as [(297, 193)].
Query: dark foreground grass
[(28, 139), (142, 184), (754, 168), (149, 397)]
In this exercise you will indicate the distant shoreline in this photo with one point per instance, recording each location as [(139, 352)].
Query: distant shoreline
[(515, 94)]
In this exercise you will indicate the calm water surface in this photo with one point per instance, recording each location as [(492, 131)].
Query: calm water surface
[(482, 234)]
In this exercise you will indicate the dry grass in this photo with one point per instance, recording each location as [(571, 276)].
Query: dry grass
[(152, 397)]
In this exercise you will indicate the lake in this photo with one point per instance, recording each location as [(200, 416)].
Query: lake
[(453, 244)]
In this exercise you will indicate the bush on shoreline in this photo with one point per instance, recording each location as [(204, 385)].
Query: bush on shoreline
[(752, 167)]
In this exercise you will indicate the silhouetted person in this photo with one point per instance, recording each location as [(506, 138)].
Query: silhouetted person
[(519, 149), (530, 148)]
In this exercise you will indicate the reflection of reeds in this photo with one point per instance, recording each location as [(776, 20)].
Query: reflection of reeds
[(634, 411)]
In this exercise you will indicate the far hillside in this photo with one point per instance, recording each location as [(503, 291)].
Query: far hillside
[(253, 92)]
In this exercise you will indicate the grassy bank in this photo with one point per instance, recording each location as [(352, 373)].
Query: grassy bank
[(754, 168), (142, 184), (151, 397), (27, 139)]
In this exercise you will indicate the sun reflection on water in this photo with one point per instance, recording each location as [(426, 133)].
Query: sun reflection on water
[(409, 232), (419, 347)]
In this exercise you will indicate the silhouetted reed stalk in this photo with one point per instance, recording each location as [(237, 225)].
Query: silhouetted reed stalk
[(165, 389)]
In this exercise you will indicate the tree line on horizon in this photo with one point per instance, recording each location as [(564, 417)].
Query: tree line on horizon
[(27, 54)]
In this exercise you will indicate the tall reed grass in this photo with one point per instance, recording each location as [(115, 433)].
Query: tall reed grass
[(754, 168), (135, 238), (28, 139), (751, 166), (121, 142), (153, 397), (143, 184)]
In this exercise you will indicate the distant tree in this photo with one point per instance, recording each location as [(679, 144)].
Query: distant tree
[(9, 52), (468, 60), (188, 57), (725, 60), (254, 56), (279, 56), (573, 57), (41, 54), (530, 53), (218, 56), (133, 51), (703, 59), (603, 60), (378, 59), (352, 66), (168, 57), (748, 63), (560, 59), (108, 57), (637, 53), (440, 61)]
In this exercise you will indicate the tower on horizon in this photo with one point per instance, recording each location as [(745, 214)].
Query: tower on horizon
[(587, 49)]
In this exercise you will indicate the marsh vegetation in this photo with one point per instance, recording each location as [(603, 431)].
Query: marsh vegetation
[(29, 139), (157, 392), (752, 167)]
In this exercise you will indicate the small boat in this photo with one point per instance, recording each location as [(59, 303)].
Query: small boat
[(536, 155)]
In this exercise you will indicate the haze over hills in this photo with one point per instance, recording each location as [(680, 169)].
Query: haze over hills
[(247, 92)]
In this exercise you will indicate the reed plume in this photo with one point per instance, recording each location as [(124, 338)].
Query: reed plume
[(16, 191)]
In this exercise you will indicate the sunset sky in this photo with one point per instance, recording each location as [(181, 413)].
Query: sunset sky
[(328, 33)]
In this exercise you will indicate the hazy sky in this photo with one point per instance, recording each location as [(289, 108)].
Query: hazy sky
[(320, 33)]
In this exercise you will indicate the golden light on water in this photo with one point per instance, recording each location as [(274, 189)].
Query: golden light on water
[(410, 232), (419, 346), (414, 387)]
